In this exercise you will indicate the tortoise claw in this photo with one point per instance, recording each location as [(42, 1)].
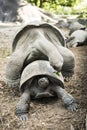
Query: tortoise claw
[(70, 102), (73, 106), (23, 117), (22, 112), (67, 76), (13, 83)]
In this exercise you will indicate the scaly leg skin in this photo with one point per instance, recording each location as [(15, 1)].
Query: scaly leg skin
[(14, 68), (22, 109), (69, 61), (68, 100), (48, 49)]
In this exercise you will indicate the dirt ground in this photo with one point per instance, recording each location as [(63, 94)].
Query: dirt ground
[(49, 114)]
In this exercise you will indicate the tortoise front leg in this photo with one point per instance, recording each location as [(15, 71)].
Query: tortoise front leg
[(22, 108), (14, 68), (68, 99)]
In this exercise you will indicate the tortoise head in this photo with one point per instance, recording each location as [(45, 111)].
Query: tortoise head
[(43, 82)]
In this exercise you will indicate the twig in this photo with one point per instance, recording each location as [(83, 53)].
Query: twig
[(2, 123), (86, 121), (72, 128)]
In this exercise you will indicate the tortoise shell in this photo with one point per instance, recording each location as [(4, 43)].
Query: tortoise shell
[(40, 67), (23, 33)]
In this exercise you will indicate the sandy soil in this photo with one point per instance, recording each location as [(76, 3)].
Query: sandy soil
[(49, 114)]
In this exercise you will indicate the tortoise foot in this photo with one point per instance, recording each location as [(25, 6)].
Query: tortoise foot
[(70, 102), (13, 83), (22, 112), (73, 106), (67, 76), (23, 117)]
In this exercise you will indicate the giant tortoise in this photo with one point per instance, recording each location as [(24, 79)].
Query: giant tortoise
[(77, 38), (39, 79), (39, 41)]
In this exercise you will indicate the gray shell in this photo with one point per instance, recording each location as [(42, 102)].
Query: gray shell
[(45, 26), (79, 36), (40, 67)]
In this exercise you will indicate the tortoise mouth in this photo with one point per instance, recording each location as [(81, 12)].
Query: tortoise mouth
[(44, 94)]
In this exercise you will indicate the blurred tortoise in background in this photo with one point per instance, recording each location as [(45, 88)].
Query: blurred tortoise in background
[(38, 41), (77, 38), (38, 80), (75, 25), (68, 26)]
